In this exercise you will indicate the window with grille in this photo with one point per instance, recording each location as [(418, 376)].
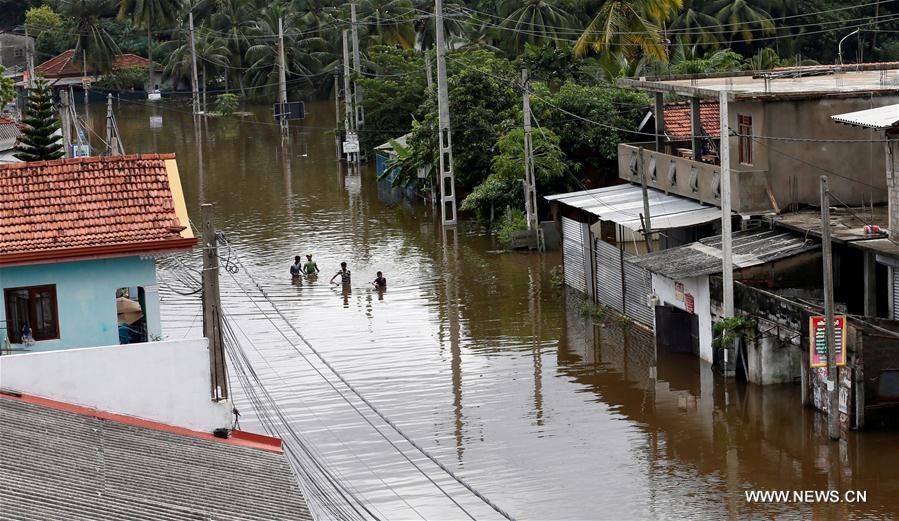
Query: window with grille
[(35, 307), (744, 128)]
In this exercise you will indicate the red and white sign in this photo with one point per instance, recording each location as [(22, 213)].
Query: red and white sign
[(817, 332)]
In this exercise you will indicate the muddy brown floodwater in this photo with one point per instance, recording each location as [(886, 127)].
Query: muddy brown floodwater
[(477, 356)]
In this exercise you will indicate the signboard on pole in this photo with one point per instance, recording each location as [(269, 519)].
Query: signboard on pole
[(350, 147), (817, 332), (289, 110)]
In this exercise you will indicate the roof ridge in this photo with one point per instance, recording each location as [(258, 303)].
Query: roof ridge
[(240, 438), (89, 159)]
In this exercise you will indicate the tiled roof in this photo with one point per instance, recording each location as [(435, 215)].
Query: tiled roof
[(677, 120), (64, 465), (91, 206), (63, 64)]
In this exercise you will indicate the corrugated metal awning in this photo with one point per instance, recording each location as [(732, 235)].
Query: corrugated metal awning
[(749, 247), (623, 205), (880, 118), (401, 141)]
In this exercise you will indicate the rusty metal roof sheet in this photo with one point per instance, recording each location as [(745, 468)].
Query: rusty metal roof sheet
[(750, 248), (63, 465), (623, 205)]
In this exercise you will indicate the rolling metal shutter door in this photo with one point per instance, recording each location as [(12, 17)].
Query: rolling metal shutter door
[(608, 275), (573, 255), (637, 286), (895, 293)]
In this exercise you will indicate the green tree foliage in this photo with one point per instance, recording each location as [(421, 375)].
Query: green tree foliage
[(394, 93), (41, 19), (551, 63), (588, 120), (86, 18), (226, 104), (147, 13), (38, 142), (130, 78), (7, 93), (628, 27), (533, 21), (503, 187)]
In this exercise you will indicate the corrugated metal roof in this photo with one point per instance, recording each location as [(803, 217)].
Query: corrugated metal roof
[(623, 204), (9, 134), (750, 248), (401, 141), (62, 465), (880, 118)]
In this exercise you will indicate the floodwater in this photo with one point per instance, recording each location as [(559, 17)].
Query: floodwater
[(475, 354)]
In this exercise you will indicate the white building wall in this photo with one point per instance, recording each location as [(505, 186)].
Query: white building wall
[(166, 382), (664, 288)]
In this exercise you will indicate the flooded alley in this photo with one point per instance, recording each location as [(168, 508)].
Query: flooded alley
[(477, 355)]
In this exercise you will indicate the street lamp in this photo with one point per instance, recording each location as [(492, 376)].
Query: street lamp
[(840, 45)]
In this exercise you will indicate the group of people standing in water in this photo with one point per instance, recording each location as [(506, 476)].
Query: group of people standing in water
[(310, 270)]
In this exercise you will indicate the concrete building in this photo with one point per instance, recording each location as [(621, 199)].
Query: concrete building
[(67, 69), (782, 138), (14, 50), (78, 241)]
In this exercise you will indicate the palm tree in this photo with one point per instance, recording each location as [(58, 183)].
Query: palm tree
[(235, 19), (742, 18), (695, 26), (391, 21), (628, 26), (533, 21), (149, 12), (425, 34), (92, 40), (212, 57), (304, 54)]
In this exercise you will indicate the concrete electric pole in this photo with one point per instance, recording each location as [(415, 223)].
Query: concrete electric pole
[(113, 141), (282, 81), (447, 178), (530, 182), (194, 83), (212, 306), (727, 268), (347, 96), (357, 69), (833, 382)]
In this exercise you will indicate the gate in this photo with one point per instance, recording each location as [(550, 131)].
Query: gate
[(637, 287), (573, 254), (609, 289)]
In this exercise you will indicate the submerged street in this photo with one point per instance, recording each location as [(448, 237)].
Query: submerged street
[(477, 355)]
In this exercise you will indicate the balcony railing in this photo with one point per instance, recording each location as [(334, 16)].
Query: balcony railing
[(697, 180)]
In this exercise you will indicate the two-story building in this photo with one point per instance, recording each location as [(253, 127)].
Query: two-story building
[(78, 242)]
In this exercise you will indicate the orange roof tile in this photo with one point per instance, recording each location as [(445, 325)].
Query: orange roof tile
[(677, 120), (89, 207), (63, 64)]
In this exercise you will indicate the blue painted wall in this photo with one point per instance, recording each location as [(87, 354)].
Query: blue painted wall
[(85, 296)]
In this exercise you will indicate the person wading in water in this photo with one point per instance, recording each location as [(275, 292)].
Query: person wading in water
[(344, 275), (380, 282), (296, 268), (310, 268)]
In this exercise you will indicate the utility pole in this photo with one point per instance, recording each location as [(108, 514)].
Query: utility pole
[(530, 193), (428, 74), (347, 94), (194, 85), (113, 141), (212, 307), (833, 395), (357, 69), (66, 125), (337, 112), (282, 81), (647, 220), (447, 178), (726, 237), (84, 81), (29, 60)]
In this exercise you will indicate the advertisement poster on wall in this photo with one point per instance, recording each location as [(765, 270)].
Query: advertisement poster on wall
[(817, 329)]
